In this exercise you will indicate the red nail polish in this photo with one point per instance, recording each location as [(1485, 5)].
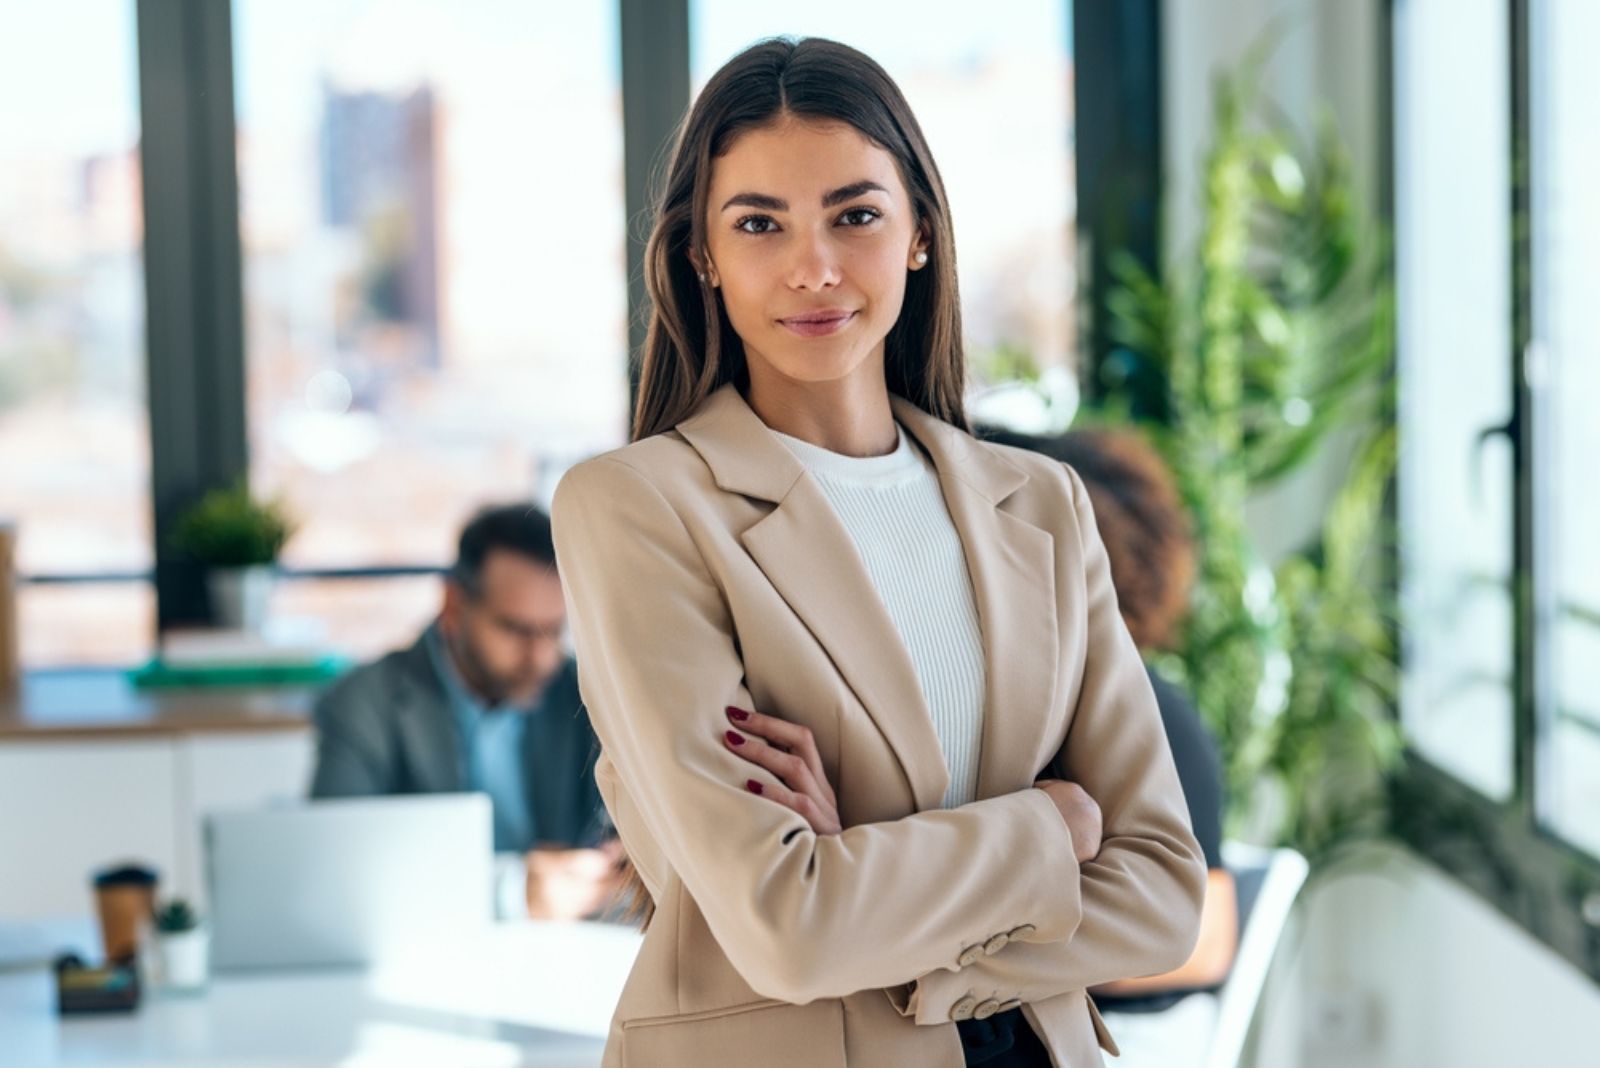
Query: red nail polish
[(753, 786), (738, 713), (735, 737)]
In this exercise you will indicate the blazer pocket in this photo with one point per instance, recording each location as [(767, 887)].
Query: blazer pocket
[(771, 1033), (1101, 1031)]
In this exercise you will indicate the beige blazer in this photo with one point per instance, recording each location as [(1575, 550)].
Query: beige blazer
[(703, 567)]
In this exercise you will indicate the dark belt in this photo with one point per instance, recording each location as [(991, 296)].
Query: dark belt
[(989, 1041)]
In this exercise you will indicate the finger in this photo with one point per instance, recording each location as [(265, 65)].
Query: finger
[(788, 737), (790, 799), (789, 767)]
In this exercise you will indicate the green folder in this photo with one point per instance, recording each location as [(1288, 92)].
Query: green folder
[(156, 675)]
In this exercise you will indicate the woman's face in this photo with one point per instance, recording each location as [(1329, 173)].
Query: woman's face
[(808, 219)]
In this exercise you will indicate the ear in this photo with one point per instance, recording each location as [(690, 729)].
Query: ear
[(450, 610), (701, 267), (921, 241)]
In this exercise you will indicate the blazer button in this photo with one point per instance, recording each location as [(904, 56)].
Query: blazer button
[(1021, 932), (986, 1009), (1007, 1006), (995, 944), (963, 1009), (970, 955)]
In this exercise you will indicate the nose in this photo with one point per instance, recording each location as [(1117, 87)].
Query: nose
[(814, 264)]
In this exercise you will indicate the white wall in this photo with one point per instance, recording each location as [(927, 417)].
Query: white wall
[(1399, 966)]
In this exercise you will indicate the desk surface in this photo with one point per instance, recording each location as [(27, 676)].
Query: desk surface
[(99, 703), (525, 994)]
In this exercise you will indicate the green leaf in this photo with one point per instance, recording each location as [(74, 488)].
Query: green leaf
[(1275, 334)]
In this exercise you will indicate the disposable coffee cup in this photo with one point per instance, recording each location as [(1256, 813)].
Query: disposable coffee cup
[(125, 898)]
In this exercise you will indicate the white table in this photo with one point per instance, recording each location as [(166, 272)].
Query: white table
[(535, 994)]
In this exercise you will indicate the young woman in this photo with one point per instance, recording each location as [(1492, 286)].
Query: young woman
[(878, 745)]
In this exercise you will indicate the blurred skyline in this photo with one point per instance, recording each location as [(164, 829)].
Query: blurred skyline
[(403, 361)]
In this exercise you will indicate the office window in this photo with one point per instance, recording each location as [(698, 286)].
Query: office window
[(1565, 173), (1496, 155), (74, 436), (433, 225), (992, 90), (1452, 163)]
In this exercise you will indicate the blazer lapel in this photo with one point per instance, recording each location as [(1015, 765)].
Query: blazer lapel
[(808, 556), (428, 738), (810, 559), (1012, 566)]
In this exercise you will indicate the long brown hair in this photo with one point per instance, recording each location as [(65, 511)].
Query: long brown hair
[(691, 348)]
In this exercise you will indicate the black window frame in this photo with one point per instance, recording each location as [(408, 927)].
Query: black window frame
[(1545, 884)]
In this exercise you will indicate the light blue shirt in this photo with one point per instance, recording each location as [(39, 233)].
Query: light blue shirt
[(491, 752)]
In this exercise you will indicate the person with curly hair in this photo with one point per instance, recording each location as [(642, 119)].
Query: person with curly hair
[(1146, 533)]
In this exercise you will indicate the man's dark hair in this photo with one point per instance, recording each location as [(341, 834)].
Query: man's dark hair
[(520, 528)]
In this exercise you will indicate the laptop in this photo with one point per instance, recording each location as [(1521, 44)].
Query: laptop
[(346, 881)]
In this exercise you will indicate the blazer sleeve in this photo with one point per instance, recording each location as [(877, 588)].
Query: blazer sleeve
[(801, 916), (1140, 898)]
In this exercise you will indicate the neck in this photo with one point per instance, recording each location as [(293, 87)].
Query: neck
[(849, 415), (464, 669)]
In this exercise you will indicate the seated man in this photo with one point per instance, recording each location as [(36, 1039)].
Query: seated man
[(487, 700), (1141, 520)]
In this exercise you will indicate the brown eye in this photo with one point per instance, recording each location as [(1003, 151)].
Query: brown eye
[(740, 225)]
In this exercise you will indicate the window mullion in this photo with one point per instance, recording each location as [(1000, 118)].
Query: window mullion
[(193, 297), (654, 38), (1524, 597)]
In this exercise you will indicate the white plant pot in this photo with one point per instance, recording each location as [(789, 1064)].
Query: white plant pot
[(241, 596), (185, 959)]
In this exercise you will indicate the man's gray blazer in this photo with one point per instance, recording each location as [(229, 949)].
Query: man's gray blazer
[(387, 728)]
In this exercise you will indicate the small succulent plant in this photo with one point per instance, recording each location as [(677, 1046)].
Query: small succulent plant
[(176, 916), (229, 528)]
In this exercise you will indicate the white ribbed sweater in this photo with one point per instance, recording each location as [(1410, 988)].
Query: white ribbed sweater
[(896, 515)]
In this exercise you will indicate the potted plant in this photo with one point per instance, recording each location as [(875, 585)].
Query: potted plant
[(182, 946), (1269, 340), (237, 539)]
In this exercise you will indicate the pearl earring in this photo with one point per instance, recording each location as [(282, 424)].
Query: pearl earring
[(702, 276), (922, 257)]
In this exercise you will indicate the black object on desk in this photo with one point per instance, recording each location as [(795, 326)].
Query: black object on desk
[(82, 989)]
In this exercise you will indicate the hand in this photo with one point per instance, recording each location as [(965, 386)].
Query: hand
[(1081, 814), (789, 753), (569, 884)]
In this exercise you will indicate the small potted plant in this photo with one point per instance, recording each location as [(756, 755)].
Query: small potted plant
[(183, 946), (237, 539)]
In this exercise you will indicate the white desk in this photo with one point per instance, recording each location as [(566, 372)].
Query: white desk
[(535, 994)]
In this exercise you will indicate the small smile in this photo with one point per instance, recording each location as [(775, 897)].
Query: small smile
[(818, 324)]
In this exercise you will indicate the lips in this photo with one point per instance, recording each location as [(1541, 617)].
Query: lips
[(827, 315), (824, 323)]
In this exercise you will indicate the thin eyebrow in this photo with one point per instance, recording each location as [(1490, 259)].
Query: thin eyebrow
[(837, 196)]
